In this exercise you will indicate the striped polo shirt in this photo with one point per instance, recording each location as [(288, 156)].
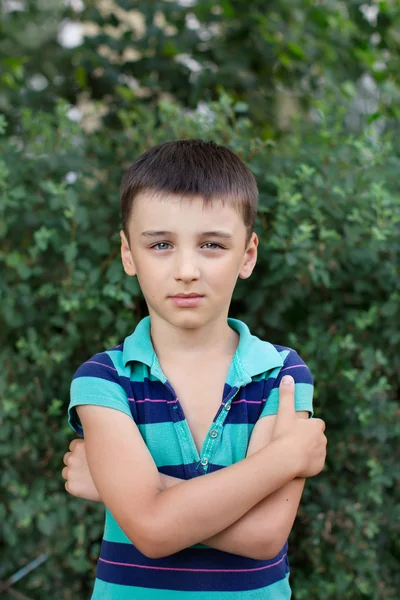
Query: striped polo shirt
[(129, 378)]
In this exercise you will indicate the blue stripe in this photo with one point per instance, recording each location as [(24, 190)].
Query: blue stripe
[(183, 471), (155, 390), (232, 578), (173, 471), (154, 402), (301, 374), (296, 367), (100, 366), (150, 412), (246, 407), (253, 391)]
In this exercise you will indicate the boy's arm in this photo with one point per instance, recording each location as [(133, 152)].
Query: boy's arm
[(263, 530), (165, 521), (258, 534)]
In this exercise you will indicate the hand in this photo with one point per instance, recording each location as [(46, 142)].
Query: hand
[(307, 436), (79, 479)]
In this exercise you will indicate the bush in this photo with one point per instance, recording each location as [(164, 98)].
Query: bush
[(326, 284)]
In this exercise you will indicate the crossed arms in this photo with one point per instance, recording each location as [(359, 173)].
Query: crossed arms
[(258, 534), (247, 508)]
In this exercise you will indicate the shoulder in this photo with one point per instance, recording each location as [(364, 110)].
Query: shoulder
[(103, 365), (100, 380), (293, 365)]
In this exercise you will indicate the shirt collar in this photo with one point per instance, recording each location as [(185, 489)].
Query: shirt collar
[(252, 357)]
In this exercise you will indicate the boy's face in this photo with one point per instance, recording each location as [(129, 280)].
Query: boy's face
[(182, 258)]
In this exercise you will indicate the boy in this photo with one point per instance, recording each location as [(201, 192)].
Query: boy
[(166, 410)]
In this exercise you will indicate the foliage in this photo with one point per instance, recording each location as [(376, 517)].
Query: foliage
[(326, 284), (329, 266), (275, 57)]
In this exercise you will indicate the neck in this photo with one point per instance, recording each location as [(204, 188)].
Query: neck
[(214, 340)]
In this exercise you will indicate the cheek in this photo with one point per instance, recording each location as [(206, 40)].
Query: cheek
[(225, 274), (151, 273)]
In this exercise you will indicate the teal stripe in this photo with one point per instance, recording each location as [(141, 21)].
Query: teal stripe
[(74, 420), (303, 399), (233, 445), (166, 453), (91, 387), (112, 591), (113, 532)]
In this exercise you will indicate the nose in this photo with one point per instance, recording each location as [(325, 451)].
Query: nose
[(186, 267)]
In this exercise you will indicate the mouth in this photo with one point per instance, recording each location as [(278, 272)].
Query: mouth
[(187, 300), (187, 296)]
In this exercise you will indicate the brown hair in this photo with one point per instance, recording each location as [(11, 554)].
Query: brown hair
[(191, 168)]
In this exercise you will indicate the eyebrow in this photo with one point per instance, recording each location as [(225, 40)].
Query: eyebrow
[(215, 233)]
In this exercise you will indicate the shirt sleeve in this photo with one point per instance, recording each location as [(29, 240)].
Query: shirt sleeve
[(96, 382), (303, 390)]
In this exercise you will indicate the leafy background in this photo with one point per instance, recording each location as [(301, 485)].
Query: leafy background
[(307, 93)]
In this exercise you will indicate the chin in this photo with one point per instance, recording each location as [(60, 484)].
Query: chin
[(186, 321), (186, 318)]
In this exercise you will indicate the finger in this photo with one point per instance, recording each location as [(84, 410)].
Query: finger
[(73, 444), (321, 423), (286, 408), (64, 473)]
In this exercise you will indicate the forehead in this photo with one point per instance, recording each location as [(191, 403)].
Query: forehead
[(181, 212)]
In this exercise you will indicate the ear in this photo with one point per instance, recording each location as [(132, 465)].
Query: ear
[(250, 258), (126, 256)]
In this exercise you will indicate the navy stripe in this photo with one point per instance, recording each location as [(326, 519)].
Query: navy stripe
[(214, 467), (297, 368), (203, 558), (301, 374), (253, 391), (153, 390), (173, 471), (154, 402), (167, 573), (99, 366), (155, 412), (247, 404), (182, 471)]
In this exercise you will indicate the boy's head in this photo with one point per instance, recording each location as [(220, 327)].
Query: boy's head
[(184, 190)]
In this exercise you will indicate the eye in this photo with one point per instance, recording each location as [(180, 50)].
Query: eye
[(159, 244), (212, 244)]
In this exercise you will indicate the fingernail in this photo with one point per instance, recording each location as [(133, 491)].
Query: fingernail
[(287, 380)]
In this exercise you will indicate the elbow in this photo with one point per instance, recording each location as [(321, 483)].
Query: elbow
[(269, 544), (154, 548), (151, 550), (268, 550), (152, 539)]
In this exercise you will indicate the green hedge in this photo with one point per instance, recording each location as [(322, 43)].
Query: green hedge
[(274, 56), (326, 283)]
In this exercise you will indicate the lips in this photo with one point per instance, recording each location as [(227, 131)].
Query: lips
[(187, 296), (186, 301)]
